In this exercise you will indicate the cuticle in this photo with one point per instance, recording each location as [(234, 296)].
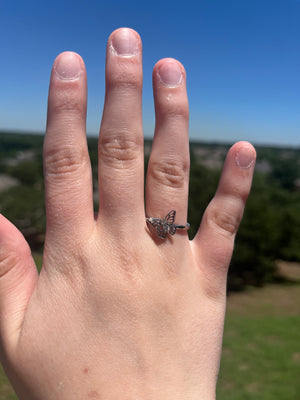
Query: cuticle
[(63, 78), (128, 55), (167, 85)]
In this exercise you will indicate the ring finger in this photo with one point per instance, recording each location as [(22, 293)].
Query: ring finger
[(168, 169)]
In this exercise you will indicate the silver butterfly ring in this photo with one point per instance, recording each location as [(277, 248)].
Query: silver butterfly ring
[(166, 225)]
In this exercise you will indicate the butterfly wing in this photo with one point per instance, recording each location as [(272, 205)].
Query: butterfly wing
[(172, 229), (170, 217), (155, 222)]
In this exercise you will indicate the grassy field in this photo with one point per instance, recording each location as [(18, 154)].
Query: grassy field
[(261, 348), (261, 351)]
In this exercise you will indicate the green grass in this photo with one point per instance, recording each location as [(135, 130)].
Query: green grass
[(6, 391), (261, 358)]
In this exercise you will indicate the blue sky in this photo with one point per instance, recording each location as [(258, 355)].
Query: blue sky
[(242, 59)]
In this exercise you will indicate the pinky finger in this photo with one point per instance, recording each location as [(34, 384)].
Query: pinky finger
[(214, 240)]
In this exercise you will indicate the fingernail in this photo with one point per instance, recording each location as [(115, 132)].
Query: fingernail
[(170, 74), (125, 42), (68, 66), (245, 157)]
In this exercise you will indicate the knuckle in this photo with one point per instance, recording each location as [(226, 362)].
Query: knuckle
[(171, 173), (174, 108), (67, 101), (237, 193), (7, 261), (226, 221), (124, 85), (65, 160), (119, 149), (126, 77)]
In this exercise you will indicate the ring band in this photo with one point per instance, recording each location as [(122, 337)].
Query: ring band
[(166, 225)]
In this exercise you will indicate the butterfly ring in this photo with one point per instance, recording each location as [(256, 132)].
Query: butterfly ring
[(166, 225)]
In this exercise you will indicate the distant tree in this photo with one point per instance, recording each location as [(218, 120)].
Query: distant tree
[(289, 223), (27, 172), (285, 172), (253, 261), (270, 229), (24, 206), (202, 186)]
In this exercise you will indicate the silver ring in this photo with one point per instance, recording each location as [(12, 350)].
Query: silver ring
[(166, 225)]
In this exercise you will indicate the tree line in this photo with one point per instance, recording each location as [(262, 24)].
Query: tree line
[(270, 229)]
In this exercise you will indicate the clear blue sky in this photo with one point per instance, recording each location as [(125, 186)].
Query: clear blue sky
[(242, 59)]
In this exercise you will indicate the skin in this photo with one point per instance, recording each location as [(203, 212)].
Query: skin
[(118, 313)]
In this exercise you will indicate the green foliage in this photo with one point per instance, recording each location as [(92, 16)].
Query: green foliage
[(12, 143), (289, 223), (270, 228), (253, 261), (6, 391), (285, 166), (93, 151), (24, 206), (27, 172), (203, 184)]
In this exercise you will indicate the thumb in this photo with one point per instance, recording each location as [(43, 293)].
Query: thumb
[(18, 277)]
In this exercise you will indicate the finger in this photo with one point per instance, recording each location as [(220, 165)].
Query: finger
[(121, 160), (168, 168), (68, 178), (215, 238), (18, 277)]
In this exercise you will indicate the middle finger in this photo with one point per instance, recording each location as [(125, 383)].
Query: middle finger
[(121, 159)]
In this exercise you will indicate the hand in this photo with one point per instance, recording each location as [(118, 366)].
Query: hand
[(118, 313)]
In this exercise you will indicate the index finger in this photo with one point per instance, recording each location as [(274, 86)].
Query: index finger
[(67, 170)]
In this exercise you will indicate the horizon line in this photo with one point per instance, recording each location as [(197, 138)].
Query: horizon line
[(192, 140)]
